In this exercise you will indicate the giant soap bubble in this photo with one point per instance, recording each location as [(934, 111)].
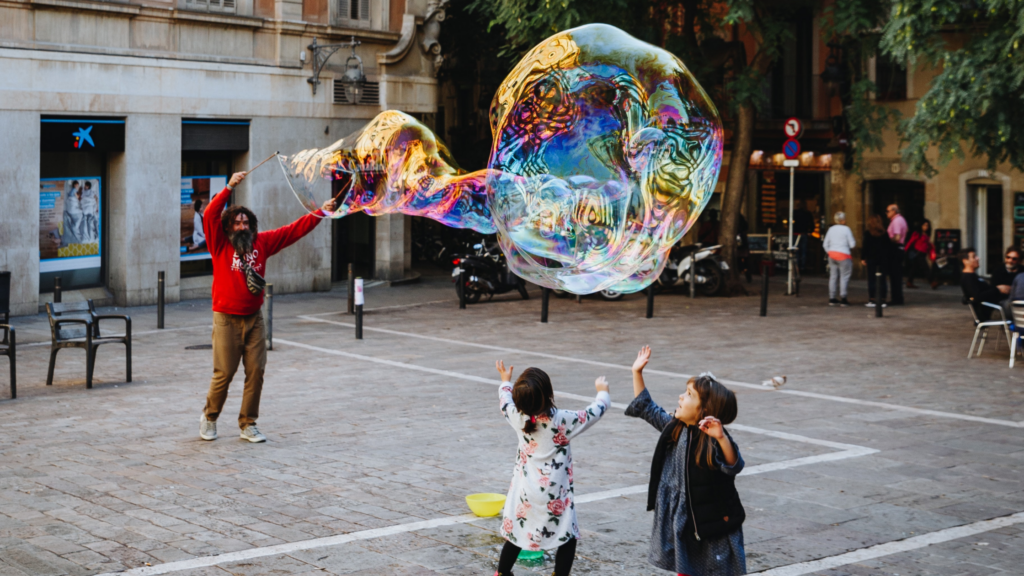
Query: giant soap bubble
[(605, 152)]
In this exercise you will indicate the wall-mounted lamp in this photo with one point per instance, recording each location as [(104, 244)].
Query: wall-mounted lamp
[(353, 79)]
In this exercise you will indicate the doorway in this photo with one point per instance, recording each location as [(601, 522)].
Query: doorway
[(985, 225), (353, 242)]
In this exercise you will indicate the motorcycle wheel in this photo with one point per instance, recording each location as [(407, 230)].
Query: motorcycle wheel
[(668, 277), (611, 295), (473, 293), (714, 279), (560, 293)]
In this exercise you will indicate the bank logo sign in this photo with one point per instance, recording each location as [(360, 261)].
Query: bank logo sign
[(82, 137)]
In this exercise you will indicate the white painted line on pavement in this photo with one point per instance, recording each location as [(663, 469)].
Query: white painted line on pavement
[(889, 548), (847, 451), (910, 409)]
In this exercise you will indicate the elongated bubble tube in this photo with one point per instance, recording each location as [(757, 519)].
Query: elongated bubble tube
[(605, 152)]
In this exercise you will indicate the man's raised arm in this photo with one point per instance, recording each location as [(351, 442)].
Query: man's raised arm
[(215, 237)]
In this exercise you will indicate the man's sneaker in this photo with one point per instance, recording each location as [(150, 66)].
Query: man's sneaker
[(251, 434), (207, 428), (870, 305), (844, 302), (832, 301)]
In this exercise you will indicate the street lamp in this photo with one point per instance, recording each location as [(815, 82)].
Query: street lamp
[(353, 79)]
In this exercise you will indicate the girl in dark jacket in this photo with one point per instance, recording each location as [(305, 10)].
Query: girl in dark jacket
[(698, 516), (878, 254)]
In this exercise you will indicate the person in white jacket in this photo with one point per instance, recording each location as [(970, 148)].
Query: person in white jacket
[(838, 243)]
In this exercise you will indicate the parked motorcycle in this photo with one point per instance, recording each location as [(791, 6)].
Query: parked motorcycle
[(486, 273), (706, 262)]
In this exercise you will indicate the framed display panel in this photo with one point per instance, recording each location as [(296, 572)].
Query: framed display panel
[(70, 224), (195, 196)]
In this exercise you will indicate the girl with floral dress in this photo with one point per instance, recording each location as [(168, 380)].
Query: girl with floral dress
[(540, 513), (698, 516)]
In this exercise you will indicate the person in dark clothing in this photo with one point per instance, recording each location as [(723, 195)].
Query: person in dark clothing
[(707, 234), (975, 288), (877, 254), (1002, 278)]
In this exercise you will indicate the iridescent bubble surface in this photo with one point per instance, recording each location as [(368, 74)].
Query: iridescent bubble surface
[(605, 152)]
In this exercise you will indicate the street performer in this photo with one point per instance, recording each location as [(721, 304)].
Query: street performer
[(239, 252)]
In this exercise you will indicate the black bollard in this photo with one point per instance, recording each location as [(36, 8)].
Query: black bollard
[(351, 290), (270, 316), (160, 300), (461, 288), (359, 308), (650, 301), (545, 295), (764, 288), (56, 289), (879, 286)]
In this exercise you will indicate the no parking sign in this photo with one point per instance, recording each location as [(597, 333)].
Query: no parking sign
[(791, 148)]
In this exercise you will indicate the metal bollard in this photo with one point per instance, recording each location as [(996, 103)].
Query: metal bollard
[(56, 289), (879, 285), (461, 288), (650, 301), (359, 308), (764, 287), (545, 295), (693, 277), (160, 300), (270, 316), (351, 290)]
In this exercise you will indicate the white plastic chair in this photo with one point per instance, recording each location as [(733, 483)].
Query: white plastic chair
[(982, 327), (1017, 310)]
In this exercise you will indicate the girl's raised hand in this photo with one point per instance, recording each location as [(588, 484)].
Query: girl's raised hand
[(506, 375), (601, 384), (712, 427), (642, 357)]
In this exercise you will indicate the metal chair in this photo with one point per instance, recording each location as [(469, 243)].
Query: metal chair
[(982, 327), (7, 345), (1017, 311), (87, 336)]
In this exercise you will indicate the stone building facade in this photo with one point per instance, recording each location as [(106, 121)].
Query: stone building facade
[(118, 116)]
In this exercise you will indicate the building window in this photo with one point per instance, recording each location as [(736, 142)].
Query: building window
[(355, 12), (227, 6), (890, 78)]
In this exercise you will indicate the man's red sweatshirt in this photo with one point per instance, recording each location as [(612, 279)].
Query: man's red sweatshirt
[(230, 294)]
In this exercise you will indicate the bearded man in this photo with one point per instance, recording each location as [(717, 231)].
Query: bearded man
[(239, 252)]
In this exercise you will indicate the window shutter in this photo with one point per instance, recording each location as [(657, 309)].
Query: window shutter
[(364, 10)]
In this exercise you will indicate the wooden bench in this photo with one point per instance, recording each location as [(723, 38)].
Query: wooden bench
[(77, 325)]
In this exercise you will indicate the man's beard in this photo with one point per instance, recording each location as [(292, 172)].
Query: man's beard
[(242, 242)]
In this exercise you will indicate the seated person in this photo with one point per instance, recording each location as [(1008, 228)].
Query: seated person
[(976, 288), (1016, 294), (1002, 278)]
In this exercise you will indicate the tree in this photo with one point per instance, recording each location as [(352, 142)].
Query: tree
[(975, 100)]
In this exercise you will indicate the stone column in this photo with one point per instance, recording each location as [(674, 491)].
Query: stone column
[(19, 219), (390, 249), (145, 210)]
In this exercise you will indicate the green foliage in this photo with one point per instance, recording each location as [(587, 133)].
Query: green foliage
[(977, 97), (526, 22)]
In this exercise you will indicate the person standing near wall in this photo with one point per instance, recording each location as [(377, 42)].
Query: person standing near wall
[(239, 252), (838, 243), (898, 235), (921, 255), (876, 255)]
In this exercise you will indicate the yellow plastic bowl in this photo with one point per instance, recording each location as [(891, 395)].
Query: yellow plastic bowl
[(485, 505)]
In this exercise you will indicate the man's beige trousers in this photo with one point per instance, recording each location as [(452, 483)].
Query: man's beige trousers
[(237, 338)]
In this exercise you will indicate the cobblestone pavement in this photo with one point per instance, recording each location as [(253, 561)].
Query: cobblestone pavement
[(885, 436)]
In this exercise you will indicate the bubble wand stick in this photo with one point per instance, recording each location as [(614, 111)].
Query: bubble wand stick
[(261, 163)]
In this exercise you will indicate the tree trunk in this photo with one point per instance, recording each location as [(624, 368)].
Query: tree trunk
[(732, 200)]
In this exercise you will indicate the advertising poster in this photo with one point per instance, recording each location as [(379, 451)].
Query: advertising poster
[(69, 223), (195, 195)]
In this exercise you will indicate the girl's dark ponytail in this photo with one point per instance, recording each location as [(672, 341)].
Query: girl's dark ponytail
[(715, 400), (533, 397)]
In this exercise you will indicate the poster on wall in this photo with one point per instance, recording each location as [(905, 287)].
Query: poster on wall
[(69, 223), (195, 195)]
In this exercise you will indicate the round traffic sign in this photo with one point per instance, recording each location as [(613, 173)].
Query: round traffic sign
[(791, 148), (793, 128)]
